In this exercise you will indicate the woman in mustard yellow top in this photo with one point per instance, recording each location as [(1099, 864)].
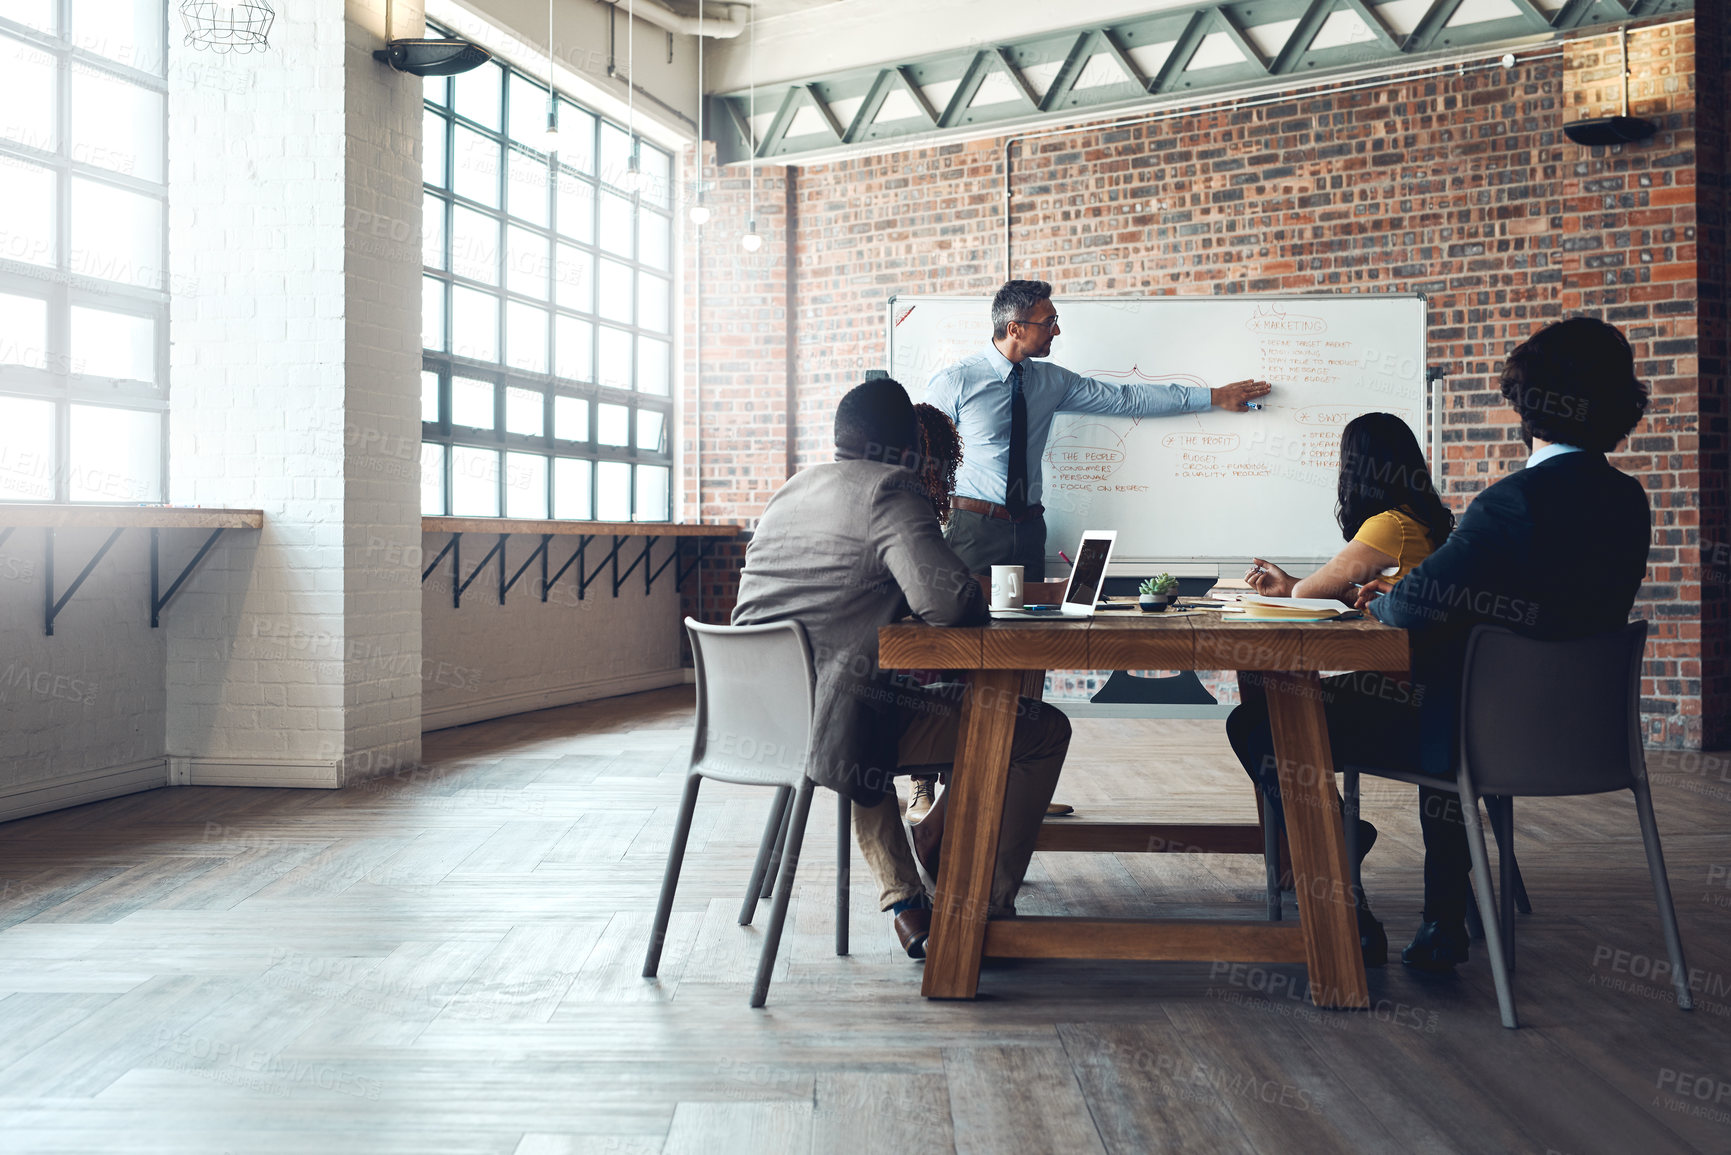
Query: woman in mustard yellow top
[(1392, 519), (1389, 514)]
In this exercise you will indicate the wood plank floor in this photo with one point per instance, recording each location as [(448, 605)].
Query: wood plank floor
[(449, 962)]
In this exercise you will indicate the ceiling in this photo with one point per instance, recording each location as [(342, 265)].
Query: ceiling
[(877, 74), (766, 9), (798, 39)]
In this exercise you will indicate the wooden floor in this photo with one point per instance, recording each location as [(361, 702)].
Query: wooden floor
[(449, 962)]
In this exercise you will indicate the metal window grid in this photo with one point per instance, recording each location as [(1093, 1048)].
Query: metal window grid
[(62, 286), (443, 106)]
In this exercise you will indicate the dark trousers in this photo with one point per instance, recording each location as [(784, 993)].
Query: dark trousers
[(983, 542), (1373, 722)]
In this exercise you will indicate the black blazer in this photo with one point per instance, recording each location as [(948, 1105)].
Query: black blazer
[(1555, 551)]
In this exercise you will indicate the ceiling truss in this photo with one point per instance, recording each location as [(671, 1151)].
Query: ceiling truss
[(1161, 58)]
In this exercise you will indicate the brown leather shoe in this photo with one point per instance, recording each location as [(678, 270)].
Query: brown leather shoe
[(912, 927), (923, 794)]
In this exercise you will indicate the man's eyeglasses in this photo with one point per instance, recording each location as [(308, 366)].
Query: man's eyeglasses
[(1052, 320)]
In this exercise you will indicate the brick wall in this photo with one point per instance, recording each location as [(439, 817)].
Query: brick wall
[(737, 398), (1459, 185)]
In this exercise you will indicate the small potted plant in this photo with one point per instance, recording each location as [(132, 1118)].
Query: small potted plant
[(1155, 593)]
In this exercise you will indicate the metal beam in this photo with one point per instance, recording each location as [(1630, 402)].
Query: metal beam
[(51, 607), (1302, 35), (158, 604), (919, 95), (583, 582), (576, 556), (497, 550), (649, 578), (540, 551), (954, 77), (642, 559), (684, 571), (441, 556)]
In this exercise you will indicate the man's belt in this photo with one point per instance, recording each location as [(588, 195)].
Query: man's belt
[(997, 512)]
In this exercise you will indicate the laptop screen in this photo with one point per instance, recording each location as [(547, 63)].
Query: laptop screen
[(1090, 571)]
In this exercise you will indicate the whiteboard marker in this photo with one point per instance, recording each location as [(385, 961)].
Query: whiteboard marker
[(1253, 405)]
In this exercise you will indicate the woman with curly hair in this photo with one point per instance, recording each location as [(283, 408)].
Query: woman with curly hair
[(940, 454)]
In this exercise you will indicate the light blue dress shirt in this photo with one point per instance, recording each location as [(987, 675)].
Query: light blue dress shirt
[(1554, 449), (976, 394)]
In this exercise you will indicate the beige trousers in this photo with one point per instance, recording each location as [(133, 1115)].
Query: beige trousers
[(928, 743)]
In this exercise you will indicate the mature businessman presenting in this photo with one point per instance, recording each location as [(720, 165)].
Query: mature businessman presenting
[(1003, 402)]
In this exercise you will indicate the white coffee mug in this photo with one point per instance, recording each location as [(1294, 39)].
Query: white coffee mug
[(1006, 587)]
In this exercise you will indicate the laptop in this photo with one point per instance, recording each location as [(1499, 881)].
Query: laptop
[(1082, 592)]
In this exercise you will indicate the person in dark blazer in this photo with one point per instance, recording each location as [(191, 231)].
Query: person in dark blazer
[(844, 548), (1555, 551)]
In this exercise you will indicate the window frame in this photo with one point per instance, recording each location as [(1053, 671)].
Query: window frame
[(64, 288), (446, 363)]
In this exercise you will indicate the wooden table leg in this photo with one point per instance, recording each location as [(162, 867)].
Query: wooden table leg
[(1319, 868), (976, 810)]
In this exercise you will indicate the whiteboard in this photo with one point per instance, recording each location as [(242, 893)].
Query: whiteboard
[(1200, 487)]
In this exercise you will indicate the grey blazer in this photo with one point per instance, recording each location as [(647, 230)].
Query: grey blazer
[(844, 548)]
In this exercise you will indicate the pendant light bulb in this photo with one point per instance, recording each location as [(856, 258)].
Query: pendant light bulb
[(751, 241), (699, 213), (550, 135)]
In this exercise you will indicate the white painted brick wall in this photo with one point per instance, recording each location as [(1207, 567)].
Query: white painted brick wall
[(296, 353), (484, 660), (296, 651), (382, 431), (90, 699)]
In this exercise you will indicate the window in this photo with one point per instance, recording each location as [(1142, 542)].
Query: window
[(83, 251), (548, 319)]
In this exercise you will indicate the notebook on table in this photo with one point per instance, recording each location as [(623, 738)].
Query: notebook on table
[(1259, 608)]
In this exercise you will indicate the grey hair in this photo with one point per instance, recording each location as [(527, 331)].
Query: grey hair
[(1014, 302)]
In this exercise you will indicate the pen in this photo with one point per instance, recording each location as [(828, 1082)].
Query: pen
[(1066, 558)]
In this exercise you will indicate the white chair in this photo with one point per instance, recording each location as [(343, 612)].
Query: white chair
[(756, 690), (769, 853)]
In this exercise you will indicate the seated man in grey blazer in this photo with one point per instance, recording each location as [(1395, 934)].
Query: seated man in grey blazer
[(843, 548)]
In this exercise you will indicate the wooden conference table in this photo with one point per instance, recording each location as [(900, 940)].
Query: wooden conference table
[(1005, 656)]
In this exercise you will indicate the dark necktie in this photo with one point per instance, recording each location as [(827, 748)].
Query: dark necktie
[(1016, 489)]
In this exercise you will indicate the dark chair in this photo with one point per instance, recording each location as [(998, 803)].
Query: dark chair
[(1501, 810), (1549, 719), (756, 690)]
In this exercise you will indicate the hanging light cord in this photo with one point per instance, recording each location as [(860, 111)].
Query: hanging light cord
[(631, 73), (700, 94), (751, 136)]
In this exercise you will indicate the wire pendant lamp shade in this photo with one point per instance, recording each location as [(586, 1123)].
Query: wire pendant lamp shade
[(228, 25)]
